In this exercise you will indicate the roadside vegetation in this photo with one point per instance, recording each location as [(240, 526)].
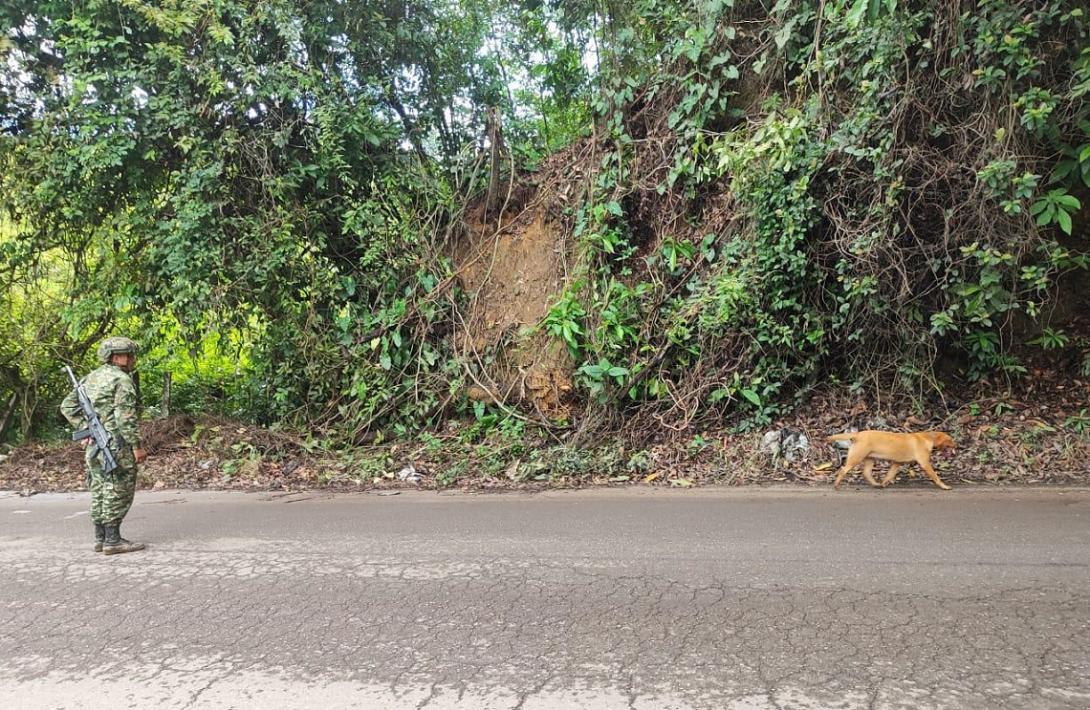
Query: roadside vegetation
[(546, 242)]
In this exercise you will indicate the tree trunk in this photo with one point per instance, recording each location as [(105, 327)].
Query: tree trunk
[(166, 395), (496, 150), (8, 411)]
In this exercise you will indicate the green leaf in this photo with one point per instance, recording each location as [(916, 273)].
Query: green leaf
[(783, 36), (855, 14), (1062, 170), (1069, 202), (752, 397), (1064, 220)]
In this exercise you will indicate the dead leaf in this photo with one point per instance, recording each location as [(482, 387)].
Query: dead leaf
[(1043, 425), (651, 476)]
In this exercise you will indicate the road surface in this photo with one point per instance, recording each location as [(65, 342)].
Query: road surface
[(650, 599)]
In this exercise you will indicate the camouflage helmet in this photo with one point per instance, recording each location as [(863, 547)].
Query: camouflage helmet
[(114, 346)]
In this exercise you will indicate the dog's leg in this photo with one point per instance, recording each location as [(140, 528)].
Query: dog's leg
[(893, 468), (926, 466), (854, 458), (868, 466)]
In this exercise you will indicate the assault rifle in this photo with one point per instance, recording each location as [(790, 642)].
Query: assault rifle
[(94, 430)]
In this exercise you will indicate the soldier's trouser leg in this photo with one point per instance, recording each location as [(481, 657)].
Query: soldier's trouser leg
[(111, 495), (99, 492), (118, 490), (94, 473)]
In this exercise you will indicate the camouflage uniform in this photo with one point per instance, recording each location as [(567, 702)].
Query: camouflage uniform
[(113, 395)]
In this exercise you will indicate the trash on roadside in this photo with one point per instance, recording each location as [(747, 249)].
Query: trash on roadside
[(788, 444), (409, 475)]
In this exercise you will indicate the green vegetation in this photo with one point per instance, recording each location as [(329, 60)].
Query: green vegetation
[(268, 195)]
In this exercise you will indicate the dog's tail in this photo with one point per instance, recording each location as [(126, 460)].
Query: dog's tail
[(849, 436)]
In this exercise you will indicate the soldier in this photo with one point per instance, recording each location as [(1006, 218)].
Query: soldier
[(113, 395)]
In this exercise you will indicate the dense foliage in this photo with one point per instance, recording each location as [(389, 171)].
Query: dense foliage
[(265, 192), (274, 175), (850, 189)]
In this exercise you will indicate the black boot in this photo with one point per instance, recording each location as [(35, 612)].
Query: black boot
[(115, 544), (100, 536)]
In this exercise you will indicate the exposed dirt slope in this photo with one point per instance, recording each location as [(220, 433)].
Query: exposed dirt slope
[(512, 266)]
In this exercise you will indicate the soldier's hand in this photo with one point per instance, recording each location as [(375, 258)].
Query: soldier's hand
[(140, 455), (85, 442)]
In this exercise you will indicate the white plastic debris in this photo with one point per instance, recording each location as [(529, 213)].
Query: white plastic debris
[(788, 444), (409, 475)]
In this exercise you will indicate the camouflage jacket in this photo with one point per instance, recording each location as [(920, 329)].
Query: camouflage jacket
[(113, 396)]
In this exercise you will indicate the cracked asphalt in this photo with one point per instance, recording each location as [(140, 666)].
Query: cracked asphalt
[(650, 599)]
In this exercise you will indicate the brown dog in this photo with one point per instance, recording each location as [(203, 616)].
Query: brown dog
[(899, 449)]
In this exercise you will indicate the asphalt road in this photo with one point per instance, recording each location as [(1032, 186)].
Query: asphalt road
[(741, 599)]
